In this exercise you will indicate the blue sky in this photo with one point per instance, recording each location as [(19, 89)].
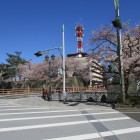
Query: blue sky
[(32, 25)]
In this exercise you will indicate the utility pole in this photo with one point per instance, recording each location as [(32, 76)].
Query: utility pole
[(118, 26), (64, 75)]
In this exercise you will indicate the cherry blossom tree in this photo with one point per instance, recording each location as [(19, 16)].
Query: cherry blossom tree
[(79, 68), (104, 49), (45, 72)]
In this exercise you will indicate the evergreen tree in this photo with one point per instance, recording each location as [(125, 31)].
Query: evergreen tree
[(13, 60)]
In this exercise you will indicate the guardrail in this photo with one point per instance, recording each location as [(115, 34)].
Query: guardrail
[(20, 91)]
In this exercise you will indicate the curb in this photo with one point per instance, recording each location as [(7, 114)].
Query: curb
[(127, 108)]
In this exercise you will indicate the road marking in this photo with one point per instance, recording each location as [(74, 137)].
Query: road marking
[(58, 124), (78, 137), (106, 133), (23, 108), (98, 135), (42, 126), (2, 104), (59, 116), (128, 130), (37, 111), (1, 101), (34, 108), (112, 119), (44, 112)]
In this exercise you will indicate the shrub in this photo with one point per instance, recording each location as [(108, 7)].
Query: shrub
[(132, 100), (103, 99)]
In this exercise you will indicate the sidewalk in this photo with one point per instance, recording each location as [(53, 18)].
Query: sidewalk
[(38, 101)]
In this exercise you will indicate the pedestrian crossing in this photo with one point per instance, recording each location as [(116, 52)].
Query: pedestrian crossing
[(100, 134), (42, 123)]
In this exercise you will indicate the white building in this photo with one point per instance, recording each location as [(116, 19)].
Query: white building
[(95, 69)]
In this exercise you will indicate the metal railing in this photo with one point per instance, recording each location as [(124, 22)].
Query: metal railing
[(20, 91), (79, 89)]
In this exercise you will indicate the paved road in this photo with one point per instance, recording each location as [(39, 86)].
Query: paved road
[(65, 123), (135, 114)]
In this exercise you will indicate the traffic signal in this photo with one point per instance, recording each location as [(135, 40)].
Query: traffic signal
[(39, 53), (60, 71), (117, 23)]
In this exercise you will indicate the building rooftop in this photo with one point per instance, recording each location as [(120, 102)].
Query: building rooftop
[(77, 54)]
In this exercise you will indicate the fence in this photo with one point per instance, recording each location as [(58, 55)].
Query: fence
[(74, 93), (79, 89), (54, 90), (20, 91)]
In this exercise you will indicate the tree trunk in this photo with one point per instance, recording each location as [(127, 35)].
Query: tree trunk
[(126, 85)]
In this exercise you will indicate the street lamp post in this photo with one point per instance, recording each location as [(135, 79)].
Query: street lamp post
[(64, 75), (117, 24), (40, 53)]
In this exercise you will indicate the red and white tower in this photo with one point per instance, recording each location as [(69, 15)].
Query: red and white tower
[(79, 36)]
